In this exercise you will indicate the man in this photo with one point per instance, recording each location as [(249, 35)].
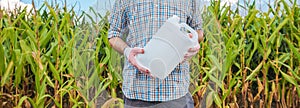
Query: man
[(142, 19)]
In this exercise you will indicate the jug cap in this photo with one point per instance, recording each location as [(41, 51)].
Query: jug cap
[(174, 19)]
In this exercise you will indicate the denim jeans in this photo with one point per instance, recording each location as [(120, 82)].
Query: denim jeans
[(183, 102)]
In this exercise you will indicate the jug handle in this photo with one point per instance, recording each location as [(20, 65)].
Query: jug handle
[(195, 34)]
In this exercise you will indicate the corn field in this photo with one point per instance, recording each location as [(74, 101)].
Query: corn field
[(54, 57)]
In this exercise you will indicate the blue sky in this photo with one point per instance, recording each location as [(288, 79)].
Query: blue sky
[(82, 5)]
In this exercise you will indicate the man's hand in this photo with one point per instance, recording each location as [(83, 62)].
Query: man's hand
[(130, 54), (119, 45), (192, 51)]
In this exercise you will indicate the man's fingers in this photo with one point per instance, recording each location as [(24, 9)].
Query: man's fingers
[(194, 49), (191, 52), (133, 61), (135, 64), (143, 70), (189, 55), (138, 51)]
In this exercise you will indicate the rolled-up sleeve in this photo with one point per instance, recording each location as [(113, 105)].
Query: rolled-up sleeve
[(117, 19), (196, 15)]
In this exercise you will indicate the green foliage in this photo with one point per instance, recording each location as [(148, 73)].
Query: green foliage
[(250, 60), (51, 57)]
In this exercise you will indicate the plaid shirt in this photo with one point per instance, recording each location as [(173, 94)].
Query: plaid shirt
[(142, 18)]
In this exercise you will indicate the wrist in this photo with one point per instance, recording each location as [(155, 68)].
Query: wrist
[(126, 51)]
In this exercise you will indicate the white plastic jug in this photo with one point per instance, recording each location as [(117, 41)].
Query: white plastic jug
[(167, 48)]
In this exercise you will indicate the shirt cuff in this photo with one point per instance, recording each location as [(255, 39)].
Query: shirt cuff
[(112, 34)]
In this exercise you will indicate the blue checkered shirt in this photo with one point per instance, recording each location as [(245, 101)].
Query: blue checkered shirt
[(142, 19)]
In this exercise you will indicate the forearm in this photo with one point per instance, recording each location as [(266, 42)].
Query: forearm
[(118, 44)]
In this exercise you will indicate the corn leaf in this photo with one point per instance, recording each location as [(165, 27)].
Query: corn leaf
[(254, 72), (7, 73), (19, 67), (290, 69), (2, 59), (288, 78), (54, 72), (45, 38), (26, 98), (276, 31), (217, 99), (295, 50), (252, 14), (215, 62), (213, 78)]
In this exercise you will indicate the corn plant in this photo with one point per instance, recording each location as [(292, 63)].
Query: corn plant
[(53, 58), (260, 66)]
